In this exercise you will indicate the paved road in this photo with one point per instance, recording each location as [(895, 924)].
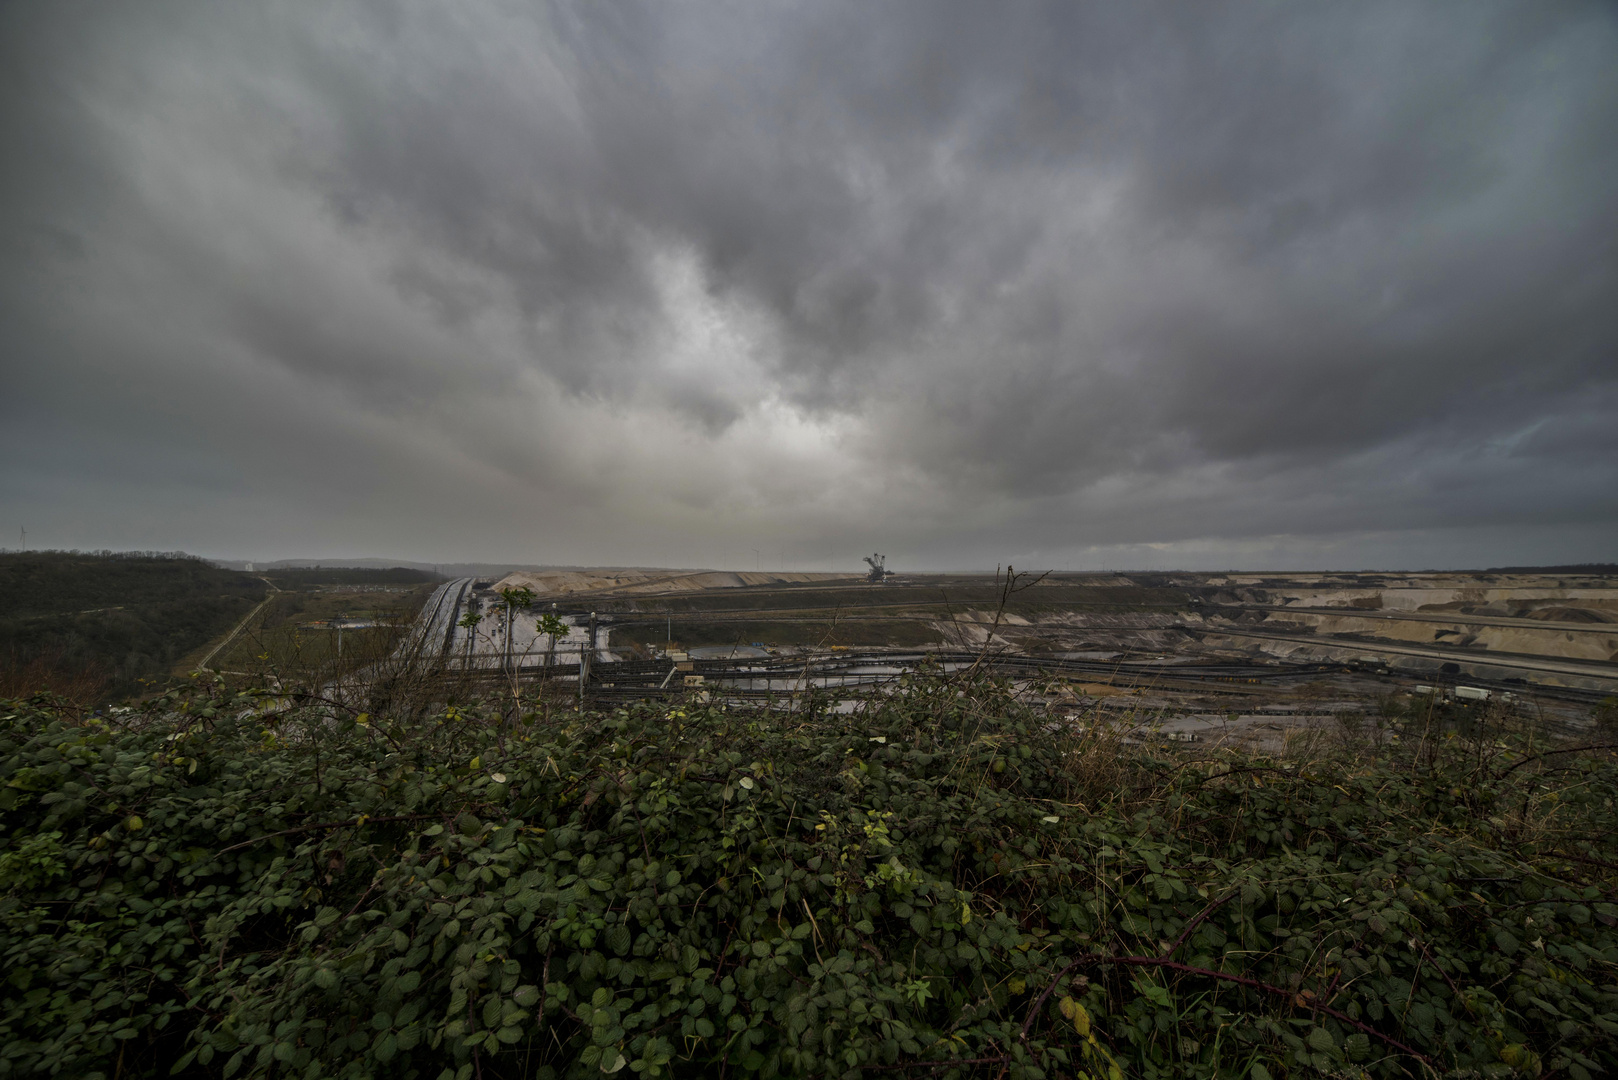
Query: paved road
[(1441, 617), (1589, 669), (202, 665), (429, 639)]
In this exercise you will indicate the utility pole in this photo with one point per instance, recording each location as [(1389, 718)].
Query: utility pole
[(550, 649), (584, 660), (590, 658)]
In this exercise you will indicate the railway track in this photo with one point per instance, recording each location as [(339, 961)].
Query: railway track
[(853, 670)]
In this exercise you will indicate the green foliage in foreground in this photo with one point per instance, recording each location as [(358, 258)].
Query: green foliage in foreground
[(217, 889)]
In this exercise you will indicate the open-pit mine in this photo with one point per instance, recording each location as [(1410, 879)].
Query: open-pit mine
[(1242, 657)]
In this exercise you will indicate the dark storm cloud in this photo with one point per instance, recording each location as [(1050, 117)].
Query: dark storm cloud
[(966, 277)]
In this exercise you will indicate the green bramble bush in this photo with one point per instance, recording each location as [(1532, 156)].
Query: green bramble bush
[(234, 885)]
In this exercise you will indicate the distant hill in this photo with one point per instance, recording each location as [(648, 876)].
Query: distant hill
[(445, 570), (368, 563), (315, 576), (93, 625)]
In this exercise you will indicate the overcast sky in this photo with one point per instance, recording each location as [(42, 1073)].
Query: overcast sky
[(723, 284)]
